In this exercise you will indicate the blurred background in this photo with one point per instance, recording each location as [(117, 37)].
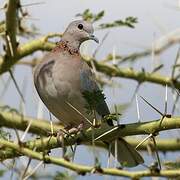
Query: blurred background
[(156, 18)]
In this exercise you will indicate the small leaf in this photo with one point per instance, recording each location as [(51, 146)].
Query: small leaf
[(87, 15), (99, 16), (128, 22)]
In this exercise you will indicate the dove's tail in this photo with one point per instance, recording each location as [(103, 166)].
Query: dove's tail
[(126, 154)]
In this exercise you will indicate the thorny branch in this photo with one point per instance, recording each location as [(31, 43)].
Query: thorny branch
[(41, 127), (82, 169)]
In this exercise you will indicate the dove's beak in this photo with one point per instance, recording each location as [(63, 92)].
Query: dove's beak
[(92, 37)]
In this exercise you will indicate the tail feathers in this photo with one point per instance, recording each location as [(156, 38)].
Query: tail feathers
[(126, 154)]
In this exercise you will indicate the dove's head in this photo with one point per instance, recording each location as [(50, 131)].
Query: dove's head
[(78, 32)]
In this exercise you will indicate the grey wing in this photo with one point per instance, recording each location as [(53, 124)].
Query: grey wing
[(45, 67), (88, 83), (43, 79), (42, 73)]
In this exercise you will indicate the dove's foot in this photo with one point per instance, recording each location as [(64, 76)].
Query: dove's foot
[(75, 130), (68, 131)]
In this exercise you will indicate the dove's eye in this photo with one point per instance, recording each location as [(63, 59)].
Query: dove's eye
[(80, 26)]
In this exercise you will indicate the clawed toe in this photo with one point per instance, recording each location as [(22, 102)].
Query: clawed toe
[(68, 131)]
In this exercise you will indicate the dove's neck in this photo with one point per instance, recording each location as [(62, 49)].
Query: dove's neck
[(70, 47), (71, 44)]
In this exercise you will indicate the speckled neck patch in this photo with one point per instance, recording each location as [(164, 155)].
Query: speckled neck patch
[(63, 46)]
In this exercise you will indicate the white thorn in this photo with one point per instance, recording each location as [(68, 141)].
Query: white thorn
[(166, 99), (102, 135), (51, 123), (114, 55), (137, 108), (145, 139), (26, 131)]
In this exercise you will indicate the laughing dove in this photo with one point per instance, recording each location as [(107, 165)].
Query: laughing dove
[(61, 80)]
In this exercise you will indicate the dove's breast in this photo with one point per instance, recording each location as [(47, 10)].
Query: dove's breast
[(58, 84)]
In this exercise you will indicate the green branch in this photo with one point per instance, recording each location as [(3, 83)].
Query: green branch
[(11, 27), (48, 143), (163, 145), (114, 71), (14, 120), (139, 76), (82, 169)]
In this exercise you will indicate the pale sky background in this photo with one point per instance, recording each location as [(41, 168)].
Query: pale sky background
[(155, 17)]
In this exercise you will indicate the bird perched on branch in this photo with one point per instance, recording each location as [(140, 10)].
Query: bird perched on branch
[(64, 81)]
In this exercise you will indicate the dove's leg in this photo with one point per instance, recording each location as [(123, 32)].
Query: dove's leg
[(69, 130)]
